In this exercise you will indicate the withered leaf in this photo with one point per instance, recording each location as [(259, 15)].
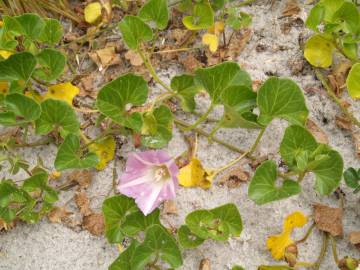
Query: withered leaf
[(328, 219), (83, 203), (343, 122), (354, 237), (94, 223), (190, 63), (58, 214), (170, 207), (356, 141), (6, 226), (105, 57), (291, 8), (338, 75), (205, 264), (134, 58), (234, 178), (317, 132), (83, 178)]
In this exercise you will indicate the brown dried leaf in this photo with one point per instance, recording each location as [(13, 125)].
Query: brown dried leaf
[(134, 58), (105, 57), (205, 264), (190, 63), (238, 43), (58, 214), (83, 203), (234, 178), (354, 238), (170, 207), (317, 132), (291, 8), (356, 141), (343, 122), (82, 178), (338, 75), (94, 223), (255, 163), (328, 219), (6, 226)]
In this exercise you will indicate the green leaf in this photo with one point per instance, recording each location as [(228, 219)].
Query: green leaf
[(296, 140), (52, 32), (331, 7), (262, 188), (137, 222), (319, 51), (21, 109), (236, 267), (352, 178), (186, 89), (237, 20), (348, 16), (281, 98), (162, 128), (217, 78), (7, 191), (187, 239), (229, 215), (52, 64), (202, 17), (275, 267), (116, 209), (315, 17), (123, 262), (158, 242), (31, 25), (39, 182), (56, 114), (114, 96), (19, 66), (155, 11), (134, 31), (353, 81), (69, 155)]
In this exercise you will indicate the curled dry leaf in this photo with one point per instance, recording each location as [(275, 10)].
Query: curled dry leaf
[(205, 264), (83, 203), (238, 43), (58, 214), (354, 238), (134, 58), (170, 207), (234, 178), (356, 141), (343, 122), (105, 57), (94, 223), (338, 75), (82, 178), (317, 132), (328, 219), (6, 226), (291, 8)]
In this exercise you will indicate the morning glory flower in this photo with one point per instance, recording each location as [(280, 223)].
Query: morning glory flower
[(150, 178)]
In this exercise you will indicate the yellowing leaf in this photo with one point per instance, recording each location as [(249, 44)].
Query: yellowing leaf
[(211, 40), (4, 87), (1, 24), (5, 54), (63, 91), (92, 12), (278, 243), (105, 150), (194, 175), (54, 175), (35, 95), (319, 51), (217, 28)]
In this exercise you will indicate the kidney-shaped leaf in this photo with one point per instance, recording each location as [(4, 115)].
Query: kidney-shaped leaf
[(353, 81), (319, 51), (155, 11), (137, 222), (19, 66), (281, 98), (202, 17), (188, 239), (56, 114), (262, 188), (186, 89), (134, 31), (32, 25), (158, 242), (52, 32), (69, 155), (123, 261), (39, 182), (52, 64), (229, 214)]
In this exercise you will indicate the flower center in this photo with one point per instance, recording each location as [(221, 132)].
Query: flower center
[(161, 174)]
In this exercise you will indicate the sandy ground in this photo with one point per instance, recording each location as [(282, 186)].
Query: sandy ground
[(56, 247)]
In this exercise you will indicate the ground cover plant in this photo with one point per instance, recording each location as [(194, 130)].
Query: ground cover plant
[(40, 106)]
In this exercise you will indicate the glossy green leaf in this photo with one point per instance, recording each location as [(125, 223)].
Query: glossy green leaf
[(155, 11), (39, 182), (186, 89), (315, 17), (262, 188), (70, 156), (348, 16), (52, 32), (113, 98), (31, 25), (281, 98), (352, 178), (123, 261), (330, 8), (158, 242), (162, 128), (202, 17), (217, 78), (56, 114), (229, 215), (19, 66), (52, 64), (353, 81), (137, 222), (134, 31), (319, 51), (116, 209), (187, 239)]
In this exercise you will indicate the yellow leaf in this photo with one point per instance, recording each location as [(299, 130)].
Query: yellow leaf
[(217, 28), (105, 150), (92, 12), (5, 54), (278, 243), (35, 95), (211, 40), (63, 91), (4, 87), (1, 24), (319, 51), (194, 175), (54, 175)]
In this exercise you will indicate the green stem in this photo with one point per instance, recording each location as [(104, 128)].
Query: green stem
[(257, 141), (34, 144), (334, 250), (213, 131), (301, 177), (104, 134), (331, 93), (308, 233), (201, 119), (322, 252)]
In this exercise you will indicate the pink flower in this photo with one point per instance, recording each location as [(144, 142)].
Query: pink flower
[(150, 178)]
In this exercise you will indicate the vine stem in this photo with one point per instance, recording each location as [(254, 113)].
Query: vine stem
[(331, 93), (306, 236), (257, 141), (201, 119), (34, 144), (322, 252), (334, 250)]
